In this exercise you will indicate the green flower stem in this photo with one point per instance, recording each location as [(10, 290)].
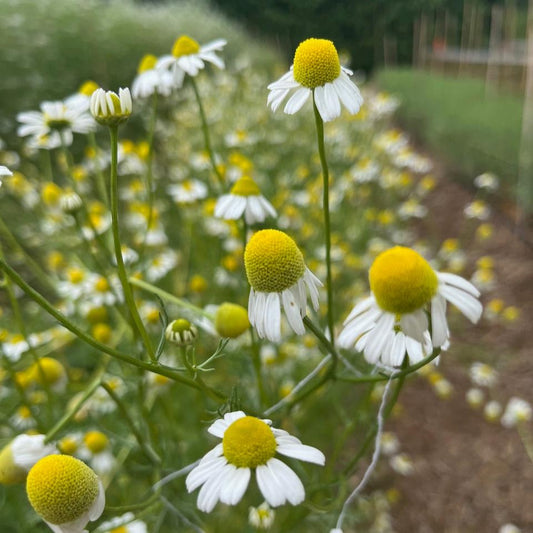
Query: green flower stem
[(205, 130), (145, 446), (100, 178), (46, 161), (65, 322), (327, 225), (71, 413), (121, 269), (169, 297), (35, 268)]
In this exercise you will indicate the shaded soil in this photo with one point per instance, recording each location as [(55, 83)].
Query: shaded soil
[(471, 475)]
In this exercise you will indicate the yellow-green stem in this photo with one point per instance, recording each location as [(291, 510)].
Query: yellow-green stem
[(121, 269), (205, 130), (327, 224)]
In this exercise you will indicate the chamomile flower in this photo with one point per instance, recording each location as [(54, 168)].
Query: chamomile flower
[(249, 443), (516, 412), (4, 171), (55, 120), (483, 374), (124, 524), (65, 493), (316, 71), (188, 191), (151, 80), (109, 108), (403, 288), (261, 517), (17, 458), (96, 450), (231, 320), (278, 277), (188, 57), (245, 199)]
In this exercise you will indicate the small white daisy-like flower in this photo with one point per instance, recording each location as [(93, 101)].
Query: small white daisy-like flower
[(124, 524), (249, 443), (101, 290), (188, 191), (181, 332), (14, 346), (483, 374), (509, 528), (245, 199), (110, 108), (475, 398), (516, 411), (189, 57), (96, 451), (17, 458), (403, 288), (65, 493), (261, 517), (492, 411), (4, 171), (316, 71), (487, 180), (402, 464), (55, 120), (477, 209), (278, 277), (151, 80)]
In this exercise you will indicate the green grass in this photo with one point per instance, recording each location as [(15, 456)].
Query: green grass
[(50, 47), (472, 132)]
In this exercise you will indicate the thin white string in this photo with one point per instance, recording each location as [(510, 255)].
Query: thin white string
[(375, 457)]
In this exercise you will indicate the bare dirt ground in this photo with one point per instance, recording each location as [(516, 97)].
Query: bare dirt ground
[(471, 475)]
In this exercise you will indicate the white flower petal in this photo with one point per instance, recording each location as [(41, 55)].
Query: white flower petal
[(302, 452)]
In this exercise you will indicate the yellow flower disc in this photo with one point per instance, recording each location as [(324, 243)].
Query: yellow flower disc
[(185, 46), (88, 88), (47, 370), (273, 262), (316, 62), (147, 63), (231, 320), (95, 441), (248, 442), (245, 186), (402, 280), (61, 488)]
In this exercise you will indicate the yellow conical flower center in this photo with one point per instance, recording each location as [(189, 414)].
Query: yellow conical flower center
[(120, 529), (180, 325), (402, 280), (245, 186), (61, 488), (231, 320), (101, 285), (50, 193), (95, 441), (185, 46), (248, 442), (48, 370), (88, 88), (147, 63), (316, 62), (75, 275), (273, 261), (10, 473), (68, 445)]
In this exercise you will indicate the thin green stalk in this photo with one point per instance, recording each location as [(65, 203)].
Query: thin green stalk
[(47, 164), (205, 130), (121, 269), (78, 404), (327, 224), (65, 322), (145, 446)]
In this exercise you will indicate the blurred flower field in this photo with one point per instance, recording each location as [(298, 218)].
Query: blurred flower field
[(215, 296)]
